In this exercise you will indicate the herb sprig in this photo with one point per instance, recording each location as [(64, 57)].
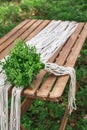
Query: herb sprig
[(22, 65)]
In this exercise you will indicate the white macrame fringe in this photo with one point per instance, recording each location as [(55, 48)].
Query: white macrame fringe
[(15, 109), (46, 42), (3, 102), (60, 70)]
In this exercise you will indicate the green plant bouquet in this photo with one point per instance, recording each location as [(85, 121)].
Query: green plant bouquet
[(22, 65)]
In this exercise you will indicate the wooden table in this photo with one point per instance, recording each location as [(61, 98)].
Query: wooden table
[(52, 87)]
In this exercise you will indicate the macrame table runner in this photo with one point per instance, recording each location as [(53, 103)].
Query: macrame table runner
[(47, 42)]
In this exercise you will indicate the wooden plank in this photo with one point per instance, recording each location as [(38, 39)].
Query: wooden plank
[(36, 31), (16, 35), (31, 29), (61, 83), (64, 120), (65, 117), (39, 79), (13, 31), (48, 84), (5, 52), (22, 127), (25, 105), (66, 50), (76, 49), (37, 82)]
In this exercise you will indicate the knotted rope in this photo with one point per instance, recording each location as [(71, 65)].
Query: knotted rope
[(52, 37), (60, 70), (15, 109), (47, 42), (3, 102)]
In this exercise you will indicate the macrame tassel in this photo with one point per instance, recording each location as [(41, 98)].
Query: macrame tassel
[(15, 109), (72, 90), (60, 70), (3, 102)]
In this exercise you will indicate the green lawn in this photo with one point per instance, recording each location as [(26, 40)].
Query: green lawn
[(42, 115)]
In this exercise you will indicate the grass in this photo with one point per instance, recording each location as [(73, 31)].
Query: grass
[(11, 13), (46, 115)]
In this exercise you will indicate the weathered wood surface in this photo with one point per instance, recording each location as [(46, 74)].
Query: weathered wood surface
[(53, 87)]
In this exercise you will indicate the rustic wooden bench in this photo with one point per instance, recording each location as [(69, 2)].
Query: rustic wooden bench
[(53, 87)]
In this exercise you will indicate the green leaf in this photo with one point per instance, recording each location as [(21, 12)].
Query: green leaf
[(22, 65)]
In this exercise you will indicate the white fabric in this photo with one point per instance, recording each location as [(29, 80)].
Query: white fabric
[(51, 38), (60, 70), (46, 42), (3, 102), (15, 109)]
